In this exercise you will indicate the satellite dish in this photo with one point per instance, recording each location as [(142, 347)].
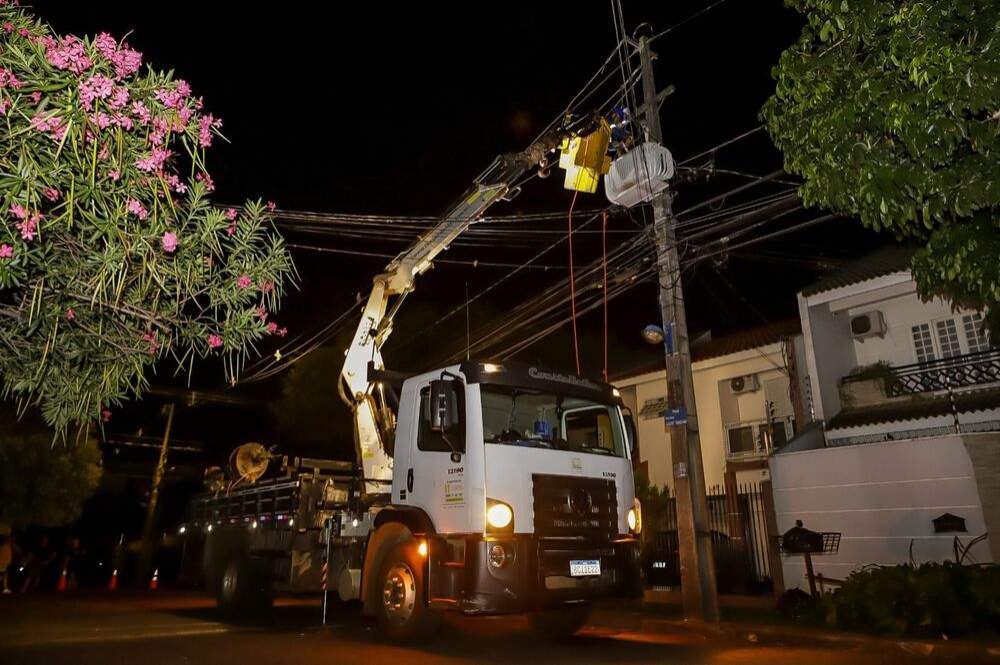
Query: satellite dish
[(249, 461)]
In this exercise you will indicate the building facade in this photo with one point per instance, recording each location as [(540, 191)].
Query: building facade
[(908, 394)]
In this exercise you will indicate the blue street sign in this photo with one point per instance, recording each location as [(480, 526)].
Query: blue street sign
[(676, 416), (668, 338)]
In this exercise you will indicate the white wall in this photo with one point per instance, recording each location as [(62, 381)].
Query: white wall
[(829, 352), (881, 497)]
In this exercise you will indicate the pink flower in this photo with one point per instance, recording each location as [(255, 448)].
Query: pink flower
[(272, 327), (137, 209), (214, 341), (231, 229), (183, 88), (67, 54), (123, 121), (175, 183), (244, 282), (231, 213), (101, 119), (106, 45), (52, 124), (153, 341), (29, 227), (114, 174), (169, 98), (8, 27), (272, 206), (119, 97), (4, 106), (267, 286), (95, 87), (169, 242), (6, 251), (70, 314), (36, 97), (207, 179), (19, 211), (8, 79), (127, 62), (140, 111), (106, 415), (262, 313), (206, 124), (51, 193), (282, 331), (155, 160)]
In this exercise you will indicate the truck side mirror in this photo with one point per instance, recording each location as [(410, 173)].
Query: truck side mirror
[(631, 435), (444, 405)]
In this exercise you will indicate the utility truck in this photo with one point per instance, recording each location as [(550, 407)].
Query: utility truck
[(480, 487)]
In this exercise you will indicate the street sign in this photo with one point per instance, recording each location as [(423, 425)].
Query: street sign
[(676, 416)]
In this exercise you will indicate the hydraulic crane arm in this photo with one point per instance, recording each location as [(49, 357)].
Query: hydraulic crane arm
[(374, 420)]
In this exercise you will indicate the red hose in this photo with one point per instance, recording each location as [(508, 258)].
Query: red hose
[(604, 287), (572, 283)]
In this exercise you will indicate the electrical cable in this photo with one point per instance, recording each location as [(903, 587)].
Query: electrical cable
[(690, 18), (572, 281)]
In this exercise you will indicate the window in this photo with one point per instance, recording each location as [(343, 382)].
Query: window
[(947, 334), (532, 418), (428, 439), (922, 343), (742, 440), (975, 335), (780, 432)]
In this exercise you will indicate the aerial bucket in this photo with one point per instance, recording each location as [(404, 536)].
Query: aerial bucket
[(639, 174)]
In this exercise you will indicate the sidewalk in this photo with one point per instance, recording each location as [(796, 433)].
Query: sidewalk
[(739, 625)]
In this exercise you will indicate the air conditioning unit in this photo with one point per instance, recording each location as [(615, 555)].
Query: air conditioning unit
[(869, 324), (744, 384)]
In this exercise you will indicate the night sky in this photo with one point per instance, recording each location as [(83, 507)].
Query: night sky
[(393, 108)]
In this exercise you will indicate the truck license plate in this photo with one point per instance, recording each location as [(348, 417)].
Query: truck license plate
[(584, 567)]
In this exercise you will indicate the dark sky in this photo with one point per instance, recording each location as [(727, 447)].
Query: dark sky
[(394, 107)]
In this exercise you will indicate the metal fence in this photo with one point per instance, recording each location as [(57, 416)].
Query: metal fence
[(739, 541)]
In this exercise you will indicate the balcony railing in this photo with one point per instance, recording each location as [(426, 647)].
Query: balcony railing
[(967, 370)]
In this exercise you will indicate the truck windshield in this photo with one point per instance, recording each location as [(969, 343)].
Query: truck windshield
[(531, 418)]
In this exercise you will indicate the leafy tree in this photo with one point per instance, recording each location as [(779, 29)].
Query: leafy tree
[(111, 254), (890, 111), (44, 483)]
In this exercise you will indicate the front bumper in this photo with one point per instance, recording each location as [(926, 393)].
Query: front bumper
[(536, 574)]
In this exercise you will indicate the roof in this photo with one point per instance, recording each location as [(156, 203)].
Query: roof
[(707, 348), (879, 263), (916, 408)]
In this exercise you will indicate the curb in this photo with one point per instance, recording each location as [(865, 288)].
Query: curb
[(766, 635)]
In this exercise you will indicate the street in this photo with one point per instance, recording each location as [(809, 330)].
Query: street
[(181, 627)]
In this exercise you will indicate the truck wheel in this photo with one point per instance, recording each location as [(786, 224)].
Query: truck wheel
[(401, 608), (243, 589), (561, 623)]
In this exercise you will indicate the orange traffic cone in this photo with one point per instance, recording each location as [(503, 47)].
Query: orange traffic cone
[(154, 581), (113, 582), (61, 586)]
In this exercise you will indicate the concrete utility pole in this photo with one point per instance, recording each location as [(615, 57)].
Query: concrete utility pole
[(154, 495), (697, 568)]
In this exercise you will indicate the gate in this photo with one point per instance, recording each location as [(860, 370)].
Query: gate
[(739, 540)]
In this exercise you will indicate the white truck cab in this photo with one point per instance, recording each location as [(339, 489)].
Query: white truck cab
[(516, 485)]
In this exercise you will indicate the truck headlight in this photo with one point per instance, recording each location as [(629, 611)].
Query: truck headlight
[(498, 514), (634, 517)]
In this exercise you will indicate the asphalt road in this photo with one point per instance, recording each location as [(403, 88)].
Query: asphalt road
[(173, 627)]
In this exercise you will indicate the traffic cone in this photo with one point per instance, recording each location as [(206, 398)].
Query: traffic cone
[(113, 582), (61, 586), (154, 581)]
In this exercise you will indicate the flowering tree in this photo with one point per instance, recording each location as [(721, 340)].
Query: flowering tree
[(111, 254)]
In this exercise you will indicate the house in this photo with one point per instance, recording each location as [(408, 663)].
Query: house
[(908, 394), (749, 399)]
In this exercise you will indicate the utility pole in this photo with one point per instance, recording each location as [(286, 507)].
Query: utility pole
[(697, 568), (154, 495)]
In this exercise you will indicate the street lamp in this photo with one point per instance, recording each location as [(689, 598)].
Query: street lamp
[(653, 334)]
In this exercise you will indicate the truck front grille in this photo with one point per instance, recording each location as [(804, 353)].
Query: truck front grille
[(569, 506)]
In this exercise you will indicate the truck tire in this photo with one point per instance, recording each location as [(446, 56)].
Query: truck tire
[(243, 589), (562, 623), (402, 612)]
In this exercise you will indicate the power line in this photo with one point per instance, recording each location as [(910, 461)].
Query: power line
[(690, 18)]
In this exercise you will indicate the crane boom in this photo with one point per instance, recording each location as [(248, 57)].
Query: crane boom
[(373, 419)]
